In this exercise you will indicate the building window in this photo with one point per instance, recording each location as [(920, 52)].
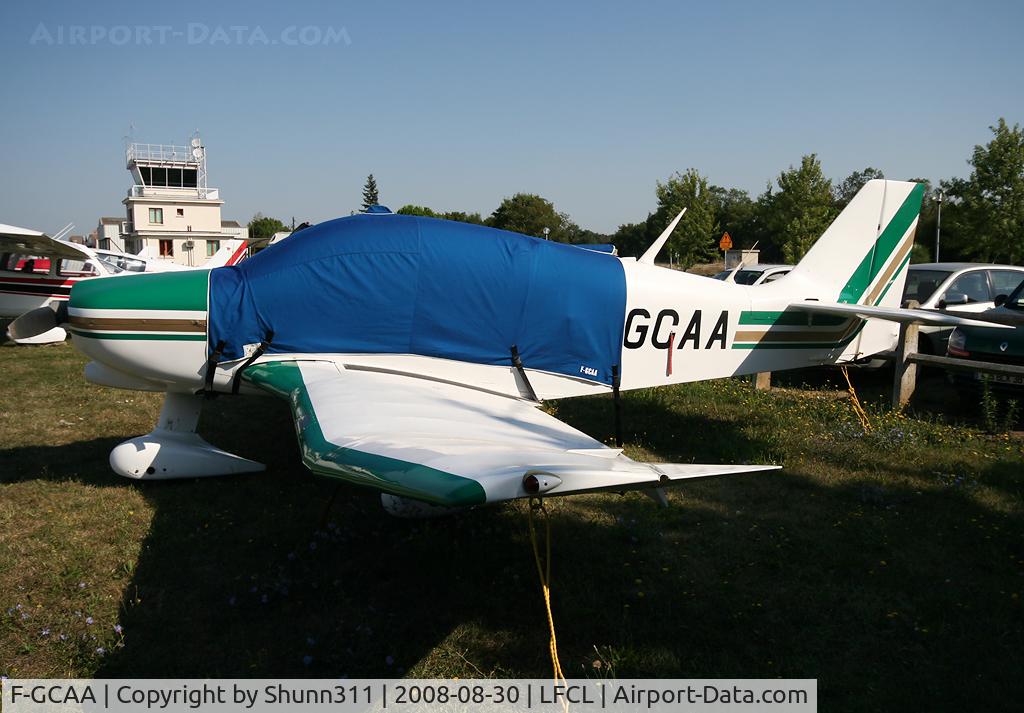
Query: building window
[(166, 246), (156, 216), (180, 212), (212, 246)]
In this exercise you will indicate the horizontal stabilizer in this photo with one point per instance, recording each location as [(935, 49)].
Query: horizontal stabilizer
[(893, 314)]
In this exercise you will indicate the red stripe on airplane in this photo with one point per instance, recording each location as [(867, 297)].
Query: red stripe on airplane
[(236, 256), (44, 280)]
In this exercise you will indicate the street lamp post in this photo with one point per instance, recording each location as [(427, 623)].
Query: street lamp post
[(938, 227)]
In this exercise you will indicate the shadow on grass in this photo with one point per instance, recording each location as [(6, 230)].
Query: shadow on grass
[(892, 598), (85, 462)]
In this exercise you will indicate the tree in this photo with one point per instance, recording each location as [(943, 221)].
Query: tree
[(800, 211), (632, 239), (737, 214), (263, 228), (924, 240), (461, 217), (695, 239), (986, 211), (529, 214), (455, 215), (417, 210), (370, 194), (846, 190)]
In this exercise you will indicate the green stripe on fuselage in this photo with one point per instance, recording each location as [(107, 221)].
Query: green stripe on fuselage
[(148, 336), (391, 475), (793, 318), (184, 290)]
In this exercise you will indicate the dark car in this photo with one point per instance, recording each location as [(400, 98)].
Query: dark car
[(992, 344)]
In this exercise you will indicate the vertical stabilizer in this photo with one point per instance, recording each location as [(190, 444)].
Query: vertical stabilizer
[(862, 257)]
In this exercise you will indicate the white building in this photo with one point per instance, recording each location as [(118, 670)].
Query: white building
[(171, 212), (110, 234)]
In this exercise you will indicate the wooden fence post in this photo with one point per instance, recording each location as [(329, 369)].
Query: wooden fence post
[(904, 379), (763, 381)]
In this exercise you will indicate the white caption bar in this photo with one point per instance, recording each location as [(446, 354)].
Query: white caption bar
[(406, 695)]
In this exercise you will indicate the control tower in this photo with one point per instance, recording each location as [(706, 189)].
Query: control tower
[(171, 211)]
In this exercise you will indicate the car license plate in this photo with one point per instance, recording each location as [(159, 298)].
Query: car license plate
[(1000, 378)]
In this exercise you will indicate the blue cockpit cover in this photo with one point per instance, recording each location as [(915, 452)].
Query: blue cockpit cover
[(397, 284)]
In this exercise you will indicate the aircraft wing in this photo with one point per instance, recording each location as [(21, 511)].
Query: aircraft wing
[(446, 444), (892, 314), (31, 242)]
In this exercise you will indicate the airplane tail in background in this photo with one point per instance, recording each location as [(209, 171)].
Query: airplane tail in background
[(231, 253)]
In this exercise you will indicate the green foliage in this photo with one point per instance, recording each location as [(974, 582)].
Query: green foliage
[(262, 227), (417, 210), (924, 241), (845, 191), (456, 215), (920, 253), (695, 238), (994, 418), (802, 208), (370, 194), (986, 211), (529, 214), (632, 239), (736, 213), (462, 217)]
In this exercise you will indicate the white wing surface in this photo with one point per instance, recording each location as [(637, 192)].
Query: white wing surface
[(447, 444), (30, 242)]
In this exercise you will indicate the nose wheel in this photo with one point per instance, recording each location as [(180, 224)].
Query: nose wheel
[(174, 450)]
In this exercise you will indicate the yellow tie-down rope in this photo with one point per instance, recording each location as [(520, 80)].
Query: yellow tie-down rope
[(857, 408), (544, 573)]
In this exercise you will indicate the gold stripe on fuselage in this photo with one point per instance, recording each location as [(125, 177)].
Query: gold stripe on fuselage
[(118, 324)]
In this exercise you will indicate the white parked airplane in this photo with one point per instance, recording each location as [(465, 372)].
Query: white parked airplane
[(414, 352), (37, 270)]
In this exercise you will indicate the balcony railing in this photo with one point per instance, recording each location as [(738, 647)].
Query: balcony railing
[(137, 191), (165, 153)]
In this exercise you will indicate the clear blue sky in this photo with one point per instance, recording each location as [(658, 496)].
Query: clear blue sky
[(456, 105)]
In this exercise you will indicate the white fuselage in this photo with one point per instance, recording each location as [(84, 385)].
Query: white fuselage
[(679, 327)]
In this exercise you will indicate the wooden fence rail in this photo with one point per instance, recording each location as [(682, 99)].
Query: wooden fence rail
[(907, 359)]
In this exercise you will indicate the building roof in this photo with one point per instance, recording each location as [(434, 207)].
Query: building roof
[(230, 224), (106, 220)]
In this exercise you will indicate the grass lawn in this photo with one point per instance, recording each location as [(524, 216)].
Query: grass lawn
[(888, 565)]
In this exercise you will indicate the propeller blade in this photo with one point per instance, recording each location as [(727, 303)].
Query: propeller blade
[(38, 321)]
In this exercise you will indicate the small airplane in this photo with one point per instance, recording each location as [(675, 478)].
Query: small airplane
[(414, 352), (37, 270)]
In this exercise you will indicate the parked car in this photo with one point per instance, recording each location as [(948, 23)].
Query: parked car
[(956, 286), (755, 274), (1003, 346)]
